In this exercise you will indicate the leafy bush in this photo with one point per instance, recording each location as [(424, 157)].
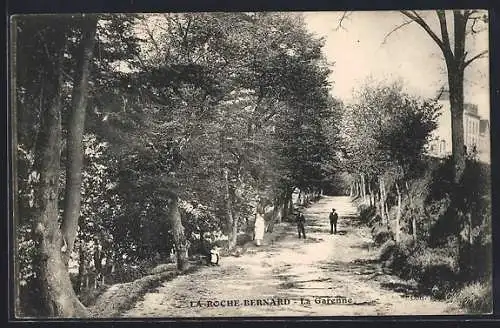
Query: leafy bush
[(381, 233), (386, 250), (127, 273), (88, 296), (436, 270), (394, 256), (475, 297), (30, 300), (366, 213)]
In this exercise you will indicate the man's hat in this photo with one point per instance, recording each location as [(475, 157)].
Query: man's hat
[(333, 209)]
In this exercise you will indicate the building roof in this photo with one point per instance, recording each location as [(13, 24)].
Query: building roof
[(471, 110)]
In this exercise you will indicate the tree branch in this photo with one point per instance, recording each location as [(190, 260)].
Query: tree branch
[(397, 28), (444, 32), (413, 15), (459, 25), (151, 37), (479, 55), (345, 15), (474, 20), (468, 13)]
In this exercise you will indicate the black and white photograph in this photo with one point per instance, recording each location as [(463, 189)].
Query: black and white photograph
[(251, 164)]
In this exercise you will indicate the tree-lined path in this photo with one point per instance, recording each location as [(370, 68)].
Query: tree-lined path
[(323, 265), (144, 141)]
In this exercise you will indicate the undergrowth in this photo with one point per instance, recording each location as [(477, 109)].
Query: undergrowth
[(121, 297), (475, 297)]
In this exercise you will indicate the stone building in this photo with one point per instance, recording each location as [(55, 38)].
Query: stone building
[(476, 131)]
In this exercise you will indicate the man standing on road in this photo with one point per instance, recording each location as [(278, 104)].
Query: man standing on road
[(333, 221), (301, 221)]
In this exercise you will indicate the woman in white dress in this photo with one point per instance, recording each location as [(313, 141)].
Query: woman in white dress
[(259, 226)]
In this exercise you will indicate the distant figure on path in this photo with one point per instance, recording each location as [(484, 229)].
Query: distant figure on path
[(214, 256), (259, 228), (333, 221), (301, 221)]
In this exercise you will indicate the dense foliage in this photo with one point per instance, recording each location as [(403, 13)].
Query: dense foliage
[(429, 228), (193, 122)]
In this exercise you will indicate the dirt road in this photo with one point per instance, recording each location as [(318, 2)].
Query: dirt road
[(324, 275)]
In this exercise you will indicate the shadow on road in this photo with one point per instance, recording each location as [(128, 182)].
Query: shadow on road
[(358, 267), (405, 288), (354, 221), (367, 245)]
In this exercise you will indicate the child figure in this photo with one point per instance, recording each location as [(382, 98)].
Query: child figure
[(214, 256)]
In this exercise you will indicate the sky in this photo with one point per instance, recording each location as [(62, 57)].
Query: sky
[(358, 51)]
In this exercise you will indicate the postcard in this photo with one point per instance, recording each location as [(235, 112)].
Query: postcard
[(251, 164)]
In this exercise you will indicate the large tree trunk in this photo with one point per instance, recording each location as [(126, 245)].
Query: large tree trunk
[(231, 222), (457, 123), (180, 242), (360, 189), (363, 188), (276, 214), (97, 257), (81, 268), (74, 160), (470, 227), (413, 217), (287, 200), (382, 200), (15, 202), (290, 202), (280, 206), (386, 207), (57, 291), (387, 216), (398, 214), (234, 231), (284, 207), (378, 201), (455, 66), (370, 193)]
